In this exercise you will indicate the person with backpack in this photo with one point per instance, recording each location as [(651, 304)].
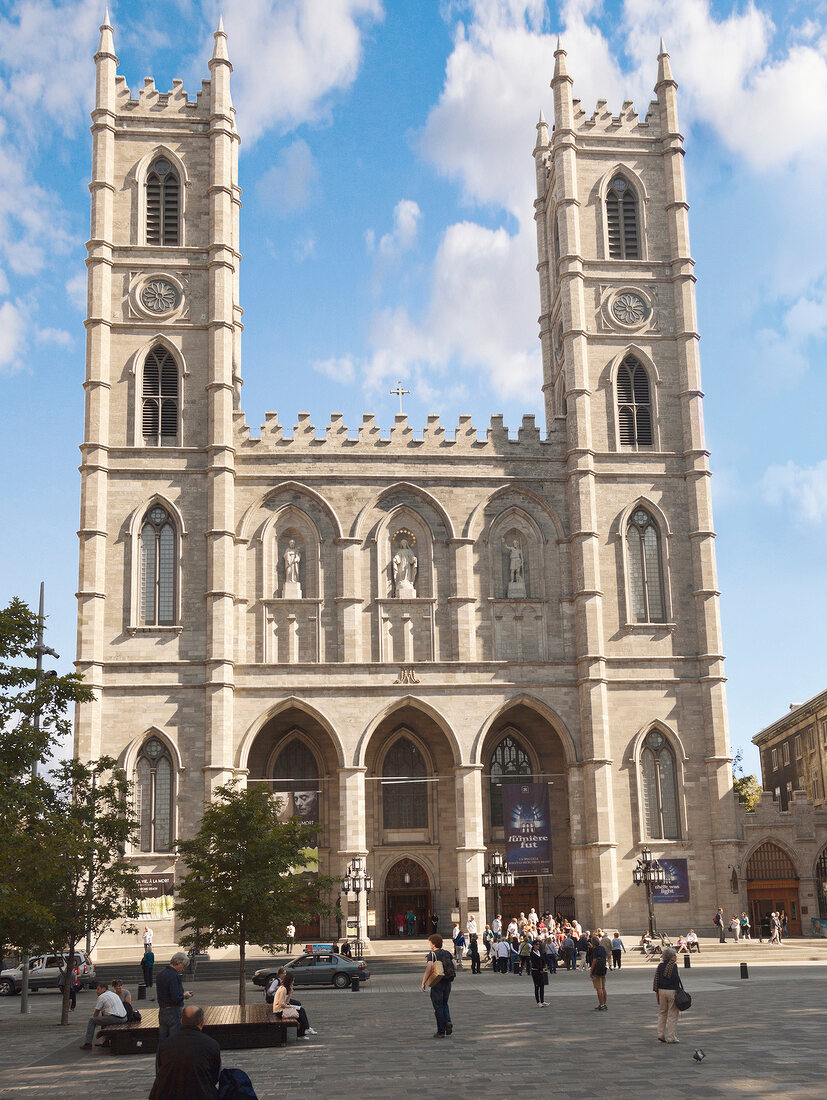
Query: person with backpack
[(439, 973), (599, 966), (720, 924)]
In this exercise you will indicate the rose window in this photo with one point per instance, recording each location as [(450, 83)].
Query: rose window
[(159, 296), (629, 308)]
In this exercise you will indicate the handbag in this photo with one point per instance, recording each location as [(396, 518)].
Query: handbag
[(437, 972), (683, 1000)]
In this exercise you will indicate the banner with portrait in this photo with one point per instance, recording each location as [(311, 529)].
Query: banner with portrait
[(675, 886), (303, 804), (156, 896), (527, 828)]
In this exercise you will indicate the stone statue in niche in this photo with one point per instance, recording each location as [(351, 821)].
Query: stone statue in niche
[(404, 571), (292, 560), (516, 570)]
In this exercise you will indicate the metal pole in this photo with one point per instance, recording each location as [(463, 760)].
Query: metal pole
[(649, 902)]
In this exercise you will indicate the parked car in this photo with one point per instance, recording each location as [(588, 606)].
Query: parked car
[(317, 969), (44, 973)]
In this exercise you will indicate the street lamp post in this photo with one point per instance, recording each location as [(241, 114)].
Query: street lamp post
[(497, 876), (649, 873), (355, 881)]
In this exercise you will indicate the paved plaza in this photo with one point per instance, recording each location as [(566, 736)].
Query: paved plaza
[(763, 1037)]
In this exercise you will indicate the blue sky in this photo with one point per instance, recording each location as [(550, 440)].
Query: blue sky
[(387, 232)]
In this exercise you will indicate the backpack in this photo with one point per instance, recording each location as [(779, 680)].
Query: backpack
[(448, 968), (600, 962), (132, 1014), (234, 1084)]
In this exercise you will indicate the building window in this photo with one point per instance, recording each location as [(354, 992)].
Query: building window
[(646, 589), (658, 773), (816, 788), (798, 746), (509, 763), (296, 782), (785, 752), (634, 404), (159, 411), (776, 794), (154, 794), (824, 732), (811, 739), (774, 759), (158, 568), (163, 204), (622, 220), (404, 790), (768, 863)]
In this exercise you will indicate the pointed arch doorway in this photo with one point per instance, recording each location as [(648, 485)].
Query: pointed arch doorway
[(407, 891)]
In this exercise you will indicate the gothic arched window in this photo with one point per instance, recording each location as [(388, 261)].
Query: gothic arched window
[(158, 568), (296, 781), (154, 797), (622, 220), (159, 409), (163, 204), (645, 560), (404, 804), (659, 787), (634, 404), (509, 762)]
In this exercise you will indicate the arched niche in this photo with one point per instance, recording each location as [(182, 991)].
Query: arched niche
[(405, 534), (291, 555), (515, 549)]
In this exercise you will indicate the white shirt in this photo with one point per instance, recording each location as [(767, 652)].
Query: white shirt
[(471, 927), (455, 932), (496, 926), (291, 931), (148, 938), (501, 949), (512, 929), (110, 1004)]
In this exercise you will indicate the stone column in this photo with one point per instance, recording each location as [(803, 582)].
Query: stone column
[(352, 831), (470, 842), (464, 602)]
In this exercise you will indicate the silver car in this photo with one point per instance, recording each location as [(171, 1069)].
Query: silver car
[(44, 973)]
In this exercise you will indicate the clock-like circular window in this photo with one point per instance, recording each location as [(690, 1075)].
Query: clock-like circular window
[(159, 296)]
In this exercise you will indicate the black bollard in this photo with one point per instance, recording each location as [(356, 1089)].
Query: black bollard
[(744, 970), (354, 983), (141, 992), (686, 962)]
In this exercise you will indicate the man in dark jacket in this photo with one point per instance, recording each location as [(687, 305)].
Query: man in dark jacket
[(171, 996), (189, 1062)]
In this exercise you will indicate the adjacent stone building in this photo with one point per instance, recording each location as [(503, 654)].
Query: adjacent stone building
[(389, 627)]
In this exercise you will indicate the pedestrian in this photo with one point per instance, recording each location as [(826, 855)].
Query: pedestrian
[(488, 940), (550, 950), (189, 1062), (735, 927), (618, 950), (745, 927), (720, 924), (171, 996), (665, 985), (474, 952), (502, 950), (497, 927), (692, 941), (146, 938), (440, 986), (411, 922), (434, 922), (74, 983), (606, 944), (568, 952), (285, 1008), (525, 952), (147, 963), (471, 925), (539, 972), (598, 969), (290, 933), (109, 1009), (785, 924), (459, 947)]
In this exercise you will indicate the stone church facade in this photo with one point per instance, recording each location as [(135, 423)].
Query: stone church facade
[(387, 627)]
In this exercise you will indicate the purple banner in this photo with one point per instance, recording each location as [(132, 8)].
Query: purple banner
[(527, 828), (676, 883)]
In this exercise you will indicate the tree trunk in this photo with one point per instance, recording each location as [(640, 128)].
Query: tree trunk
[(242, 985)]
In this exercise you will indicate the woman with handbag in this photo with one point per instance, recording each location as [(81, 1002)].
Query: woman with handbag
[(665, 984), (284, 1010), (539, 972)]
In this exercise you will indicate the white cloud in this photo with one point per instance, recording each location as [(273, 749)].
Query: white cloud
[(338, 369), (58, 336), (406, 219), (802, 489), (290, 55), (287, 186), (304, 248), (4, 282), (12, 337)]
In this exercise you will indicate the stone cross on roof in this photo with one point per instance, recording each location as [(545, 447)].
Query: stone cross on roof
[(399, 392)]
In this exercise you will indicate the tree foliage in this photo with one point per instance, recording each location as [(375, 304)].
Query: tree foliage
[(747, 790), (244, 881)]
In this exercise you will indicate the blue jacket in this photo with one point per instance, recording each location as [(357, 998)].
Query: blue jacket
[(169, 988)]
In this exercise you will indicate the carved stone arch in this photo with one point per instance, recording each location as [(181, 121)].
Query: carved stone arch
[(135, 369), (543, 709), (131, 533), (680, 757), (404, 731), (139, 174), (367, 519), (671, 735), (404, 521), (295, 733), (618, 533), (392, 878), (480, 520), (290, 521), (513, 522), (770, 838), (252, 515), (426, 708), (291, 702), (517, 735), (128, 757), (599, 192)]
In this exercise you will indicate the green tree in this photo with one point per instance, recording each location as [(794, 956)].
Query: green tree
[(747, 790), (244, 882)]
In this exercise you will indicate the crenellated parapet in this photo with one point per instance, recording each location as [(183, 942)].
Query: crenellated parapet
[(603, 121), (175, 103), (434, 439)]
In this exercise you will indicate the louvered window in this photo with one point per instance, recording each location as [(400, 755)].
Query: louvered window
[(634, 404), (404, 804), (622, 221), (160, 399), (158, 568), (658, 779), (646, 588), (163, 204), (154, 790)]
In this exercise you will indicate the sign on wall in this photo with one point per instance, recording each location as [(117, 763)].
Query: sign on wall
[(676, 883), (156, 896), (527, 828)]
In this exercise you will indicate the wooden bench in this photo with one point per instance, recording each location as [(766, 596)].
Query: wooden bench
[(232, 1027)]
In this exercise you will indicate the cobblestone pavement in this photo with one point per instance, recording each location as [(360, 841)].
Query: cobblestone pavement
[(762, 1038)]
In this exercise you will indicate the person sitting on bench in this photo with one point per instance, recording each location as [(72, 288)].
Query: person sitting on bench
[(108, 1010), (285, 1009), (189, 1062)]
